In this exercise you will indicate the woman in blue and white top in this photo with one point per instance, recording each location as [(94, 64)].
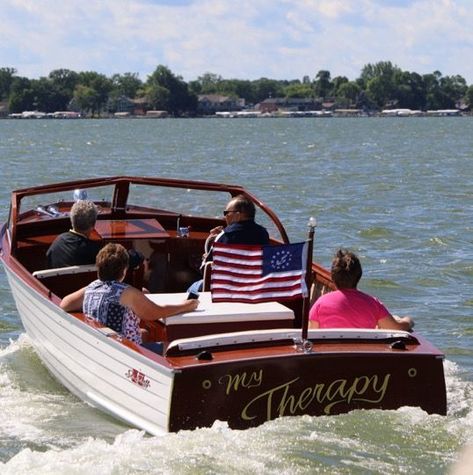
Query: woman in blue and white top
[(116, 304)]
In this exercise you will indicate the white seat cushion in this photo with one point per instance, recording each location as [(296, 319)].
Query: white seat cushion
[(222, 312)]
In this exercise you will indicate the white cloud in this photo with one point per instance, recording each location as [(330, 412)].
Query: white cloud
[(282, 39)]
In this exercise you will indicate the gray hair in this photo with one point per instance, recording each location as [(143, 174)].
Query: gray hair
[(83, 215)]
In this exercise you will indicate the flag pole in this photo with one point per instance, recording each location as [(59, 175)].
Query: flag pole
[(308, 277)]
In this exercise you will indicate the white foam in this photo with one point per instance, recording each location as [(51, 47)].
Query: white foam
[(35, 410), (21, 410), (459, 391), (409, 436), (22, 342)]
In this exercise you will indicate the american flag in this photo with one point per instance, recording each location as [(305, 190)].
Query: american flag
[(258, 273)]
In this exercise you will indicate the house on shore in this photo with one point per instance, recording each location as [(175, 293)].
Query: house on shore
[(209, 104), (157, 114), (290, 104)]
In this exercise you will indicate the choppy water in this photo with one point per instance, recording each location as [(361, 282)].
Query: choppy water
[(396, 190)]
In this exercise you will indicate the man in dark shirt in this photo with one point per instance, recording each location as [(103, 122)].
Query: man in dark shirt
[(241, 228), (75, 247)]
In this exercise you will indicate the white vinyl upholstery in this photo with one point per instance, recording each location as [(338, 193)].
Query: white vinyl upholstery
[(222, 312), (42, 274)]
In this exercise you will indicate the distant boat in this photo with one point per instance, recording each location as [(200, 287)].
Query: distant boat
[(243, 364), (33, 115), (66, 115), (414, 113), (444, 112), (401, 112), (44, 115)]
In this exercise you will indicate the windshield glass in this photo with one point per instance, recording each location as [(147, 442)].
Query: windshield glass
[(208, 204), (48, 203)]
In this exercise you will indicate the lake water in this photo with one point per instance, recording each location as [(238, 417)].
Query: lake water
[(395, 190)]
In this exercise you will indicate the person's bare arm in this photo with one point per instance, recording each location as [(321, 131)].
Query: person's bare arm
[(396, 323), (313, 324), (145, 309), (73, 302)]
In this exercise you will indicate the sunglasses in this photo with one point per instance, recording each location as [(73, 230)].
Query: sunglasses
[(226, 211)]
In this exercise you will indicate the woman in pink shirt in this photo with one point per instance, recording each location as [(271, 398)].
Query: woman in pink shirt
[(348, 307)]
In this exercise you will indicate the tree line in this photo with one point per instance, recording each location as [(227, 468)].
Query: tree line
[(380, 85)]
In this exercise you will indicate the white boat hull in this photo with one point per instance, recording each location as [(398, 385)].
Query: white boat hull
[(94, 367)]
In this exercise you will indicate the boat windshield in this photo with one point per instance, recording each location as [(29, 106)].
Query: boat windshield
[(41, 202), (184, 201), (192, 202)]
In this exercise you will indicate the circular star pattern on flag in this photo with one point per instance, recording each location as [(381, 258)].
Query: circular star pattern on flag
[(281, 260)]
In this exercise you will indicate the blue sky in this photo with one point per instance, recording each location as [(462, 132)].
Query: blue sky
[(246, 39)]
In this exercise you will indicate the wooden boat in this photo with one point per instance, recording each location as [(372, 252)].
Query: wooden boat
[(240, 363)]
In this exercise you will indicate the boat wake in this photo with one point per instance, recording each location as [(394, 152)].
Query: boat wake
[(15, 345), (38, 412), (54, 431), (459, 397)]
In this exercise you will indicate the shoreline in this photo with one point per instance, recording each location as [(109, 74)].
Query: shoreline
[(298, 115)]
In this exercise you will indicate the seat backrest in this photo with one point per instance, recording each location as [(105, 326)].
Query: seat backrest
[(44, 273), (64, 280)]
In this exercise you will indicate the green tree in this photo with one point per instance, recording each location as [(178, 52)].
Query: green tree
[(180, 100), (46, 94), (453, 87), (336, 83), (86, 99), (378, 90), (123, 85), (6, 79), (469, 96), (127, 84), (381, 68), (237, 88), (195, 87), (322, 84), (436, 97), (157, 96), (409, 90), (21, 96), (378, 80), (63, 82), (97, 86), (209, 83), (348, 93), (265, 88), (45, 97), (299, 90)]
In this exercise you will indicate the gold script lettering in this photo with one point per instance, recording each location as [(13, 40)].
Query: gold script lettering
[(269, 396), (348, 394), (244, 380), (280, 401)]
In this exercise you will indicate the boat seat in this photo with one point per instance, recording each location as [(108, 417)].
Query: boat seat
[(217, 317), (230, 339), (242, 338), (42, 274), (81, 274), (64, 280), (295, 305)]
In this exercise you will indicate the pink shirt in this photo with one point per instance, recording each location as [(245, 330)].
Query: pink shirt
[(347, 308)]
